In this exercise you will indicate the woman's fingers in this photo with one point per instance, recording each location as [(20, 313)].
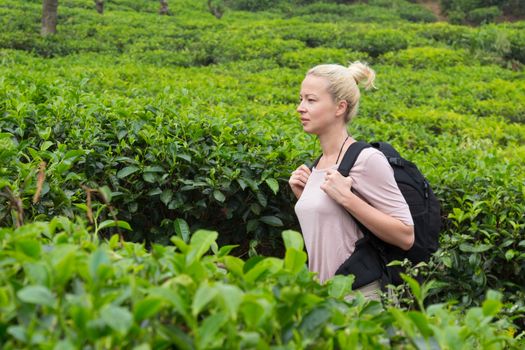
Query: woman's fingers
[(300, 176), (305, 169), (299, 179)]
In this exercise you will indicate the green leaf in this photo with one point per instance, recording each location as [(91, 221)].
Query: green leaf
[(186, 157), (170, 296), (231, 297), (182, 229), (202, 297), (149, 177), (491, 307), (479, 248), (242, 184), (294, 260), (38, 295), (106, 193), (402, 321), (314, 320), (209, 329), (154, 192), (38, 273), (64, 263), (166, 196), (64, 344), (225, 250), (146, 308), (153, 169), (272, 221), (18, 332), (261, 198), (234, 265), (200, 243), (252, 312), (340, 286), (180, 339), (262, 268), (509, 254), (97, 259), (45, 145), (5, 297), (492, 304), (80, 315), (273, 184), (219, 196), (113, 223), (421, 322), (293, 239), (414, 287), (122, 173), (117, 318), (29, 247)]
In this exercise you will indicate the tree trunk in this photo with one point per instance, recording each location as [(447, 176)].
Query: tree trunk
[(49, 17), (216, 8), (99, 4), (163, 7)]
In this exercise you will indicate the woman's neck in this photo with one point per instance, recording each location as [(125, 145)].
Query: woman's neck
[(332, 141)]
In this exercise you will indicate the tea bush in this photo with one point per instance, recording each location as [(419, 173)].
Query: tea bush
[(484, 15), (62, 287), (427, 57)]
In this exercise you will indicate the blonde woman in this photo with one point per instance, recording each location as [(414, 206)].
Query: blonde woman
[(329, 99)]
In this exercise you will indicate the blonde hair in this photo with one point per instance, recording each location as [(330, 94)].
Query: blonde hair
[(343, 83)]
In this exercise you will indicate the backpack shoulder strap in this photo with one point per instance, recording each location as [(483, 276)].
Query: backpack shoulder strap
[(315, 162), (344, 168), (350, 157)]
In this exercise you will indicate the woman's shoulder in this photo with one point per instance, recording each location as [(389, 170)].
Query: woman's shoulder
[(370, 160), (370, 154)]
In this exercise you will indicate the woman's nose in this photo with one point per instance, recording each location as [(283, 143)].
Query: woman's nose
[(300, 107)]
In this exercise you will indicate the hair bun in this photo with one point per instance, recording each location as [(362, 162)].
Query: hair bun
[(362, 73)]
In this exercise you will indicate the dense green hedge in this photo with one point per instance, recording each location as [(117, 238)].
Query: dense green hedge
[(481, 11), (63, 288), (198, 38)]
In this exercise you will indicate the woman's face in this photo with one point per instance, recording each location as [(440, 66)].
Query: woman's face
[(317, 108)]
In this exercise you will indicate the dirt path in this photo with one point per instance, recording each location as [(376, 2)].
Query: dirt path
[(434, 7)]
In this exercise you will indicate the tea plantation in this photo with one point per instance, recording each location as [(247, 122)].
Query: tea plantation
[(144, 162)]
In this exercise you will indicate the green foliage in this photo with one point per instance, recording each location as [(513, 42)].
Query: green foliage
[(179, 123), (72, 290), (253, 5), (483, 15), (480, 11), (427, 57)]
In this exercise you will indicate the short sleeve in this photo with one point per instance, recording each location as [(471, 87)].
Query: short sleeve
[(373, 180)]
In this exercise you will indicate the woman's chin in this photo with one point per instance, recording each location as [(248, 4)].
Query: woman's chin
[(308, 129)]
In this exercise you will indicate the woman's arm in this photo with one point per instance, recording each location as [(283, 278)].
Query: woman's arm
[(378, 185), (385, 227)]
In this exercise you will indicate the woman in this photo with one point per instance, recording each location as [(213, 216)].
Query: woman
[(329, 100)]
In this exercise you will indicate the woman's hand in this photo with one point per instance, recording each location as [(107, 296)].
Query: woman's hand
[(298, 180), (386, 227), (336, 186)]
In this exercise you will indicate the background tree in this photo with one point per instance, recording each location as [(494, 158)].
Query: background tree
[(216, 7), (99, 4), (163, 7), (49, 17)]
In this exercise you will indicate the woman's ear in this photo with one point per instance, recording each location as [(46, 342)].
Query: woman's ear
[(341, 108)]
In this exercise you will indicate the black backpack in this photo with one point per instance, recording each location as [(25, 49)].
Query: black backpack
[(371, 255)]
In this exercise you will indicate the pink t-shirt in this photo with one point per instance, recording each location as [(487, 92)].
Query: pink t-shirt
[(328, 229)]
